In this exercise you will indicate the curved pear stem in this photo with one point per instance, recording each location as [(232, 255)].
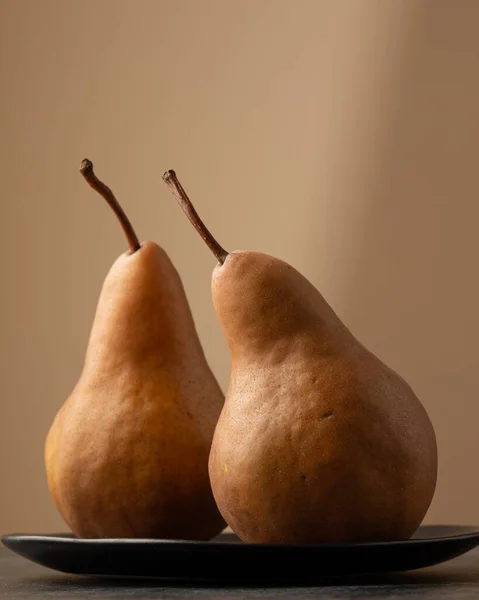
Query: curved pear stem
[(179, 193), (86, 169)]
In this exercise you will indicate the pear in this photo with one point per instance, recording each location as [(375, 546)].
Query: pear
[(318, 441), (127, 454)]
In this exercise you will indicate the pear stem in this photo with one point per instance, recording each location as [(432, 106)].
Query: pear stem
[(179, 193), (86, 169)]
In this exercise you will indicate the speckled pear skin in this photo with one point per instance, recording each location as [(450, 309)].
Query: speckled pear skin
[(127, 454), (318, 440)]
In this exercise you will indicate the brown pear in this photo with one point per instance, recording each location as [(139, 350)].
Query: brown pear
[(318, 440), (127, 454)]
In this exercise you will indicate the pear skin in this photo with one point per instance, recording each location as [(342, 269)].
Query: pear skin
[(127, 454), (318, 440)]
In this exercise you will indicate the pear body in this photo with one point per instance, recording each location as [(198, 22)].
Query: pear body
[(127, 454), (318, 440)]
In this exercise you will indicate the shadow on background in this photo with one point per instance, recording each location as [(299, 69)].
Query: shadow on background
[(412, 294)]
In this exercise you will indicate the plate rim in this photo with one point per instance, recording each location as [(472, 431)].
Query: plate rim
[(471, 532)]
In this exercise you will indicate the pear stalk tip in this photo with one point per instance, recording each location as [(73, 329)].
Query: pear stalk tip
[(167, 175), (172, 181), (86, 165)]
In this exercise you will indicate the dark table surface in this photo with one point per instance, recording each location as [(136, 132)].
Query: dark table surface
[(458, 579)]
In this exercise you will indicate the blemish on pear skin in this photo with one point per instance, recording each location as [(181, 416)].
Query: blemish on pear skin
[(226, 468)]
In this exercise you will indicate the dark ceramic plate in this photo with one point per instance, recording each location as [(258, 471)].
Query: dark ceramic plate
[(226, 560)]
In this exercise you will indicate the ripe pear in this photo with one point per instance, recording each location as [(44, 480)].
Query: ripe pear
[(127, 454), (318, 440)]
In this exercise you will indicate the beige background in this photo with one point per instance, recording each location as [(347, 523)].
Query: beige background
[(342, 136)]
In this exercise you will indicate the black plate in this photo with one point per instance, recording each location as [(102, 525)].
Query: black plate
[(226, 560)]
